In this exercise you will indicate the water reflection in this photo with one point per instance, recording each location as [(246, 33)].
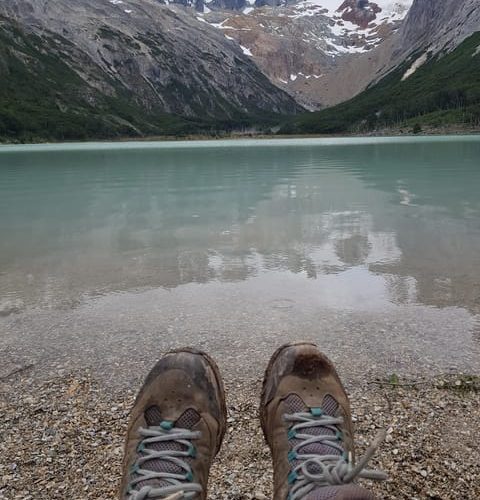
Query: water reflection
[(365, 224)]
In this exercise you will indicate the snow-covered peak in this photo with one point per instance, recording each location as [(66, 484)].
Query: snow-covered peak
[(356, 25)]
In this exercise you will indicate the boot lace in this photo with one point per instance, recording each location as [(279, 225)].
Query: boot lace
[(164, 485), (314, 470)]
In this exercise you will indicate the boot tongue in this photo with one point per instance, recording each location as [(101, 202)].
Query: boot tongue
[(153, 418)]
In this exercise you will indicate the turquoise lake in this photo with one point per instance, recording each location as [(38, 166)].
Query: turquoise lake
[(272, 230)]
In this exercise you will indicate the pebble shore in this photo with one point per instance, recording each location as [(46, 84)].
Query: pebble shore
[(62, 438)]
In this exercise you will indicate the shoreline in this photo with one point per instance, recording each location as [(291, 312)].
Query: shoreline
[(447, 131)]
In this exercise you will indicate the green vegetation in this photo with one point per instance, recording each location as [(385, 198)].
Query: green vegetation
[(444, 91), (43, 98)]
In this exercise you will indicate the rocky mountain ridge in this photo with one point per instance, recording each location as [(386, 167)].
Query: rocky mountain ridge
[(296, 44), (163, 57), (133, 66), (430, 28)]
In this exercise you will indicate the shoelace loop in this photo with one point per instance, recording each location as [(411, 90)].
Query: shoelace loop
[(179, 485), (330, 470)]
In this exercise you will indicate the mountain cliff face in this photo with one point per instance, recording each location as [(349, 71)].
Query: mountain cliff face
[(436, 26), (427, 74), (431, 27), (162, 58), (299, 43)]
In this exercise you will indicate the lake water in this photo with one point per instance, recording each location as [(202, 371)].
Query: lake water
[(287, 236)]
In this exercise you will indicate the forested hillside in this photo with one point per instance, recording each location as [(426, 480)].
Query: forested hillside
[(51, 91), (41, 97)]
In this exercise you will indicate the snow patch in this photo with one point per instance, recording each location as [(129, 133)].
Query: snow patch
[(418, 62), (246, 51), (390, 8), (477, 51), (392, 12)]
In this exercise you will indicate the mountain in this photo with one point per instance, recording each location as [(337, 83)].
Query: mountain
[(431, 26), (435, 26), (298, 44), (73, 69), (427, 75), (139, 70)]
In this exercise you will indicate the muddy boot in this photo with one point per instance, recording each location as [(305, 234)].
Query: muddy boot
[(176, 428), (306, 420)]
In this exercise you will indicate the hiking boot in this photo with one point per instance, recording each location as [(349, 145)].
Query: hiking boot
[(176, 428), (306, 420)]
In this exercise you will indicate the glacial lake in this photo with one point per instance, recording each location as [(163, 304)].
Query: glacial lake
[(370, 247)]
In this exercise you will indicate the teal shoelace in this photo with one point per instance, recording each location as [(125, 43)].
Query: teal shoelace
[(174, 485), (315, 470)]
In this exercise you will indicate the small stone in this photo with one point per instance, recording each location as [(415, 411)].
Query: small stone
[(259, 496)]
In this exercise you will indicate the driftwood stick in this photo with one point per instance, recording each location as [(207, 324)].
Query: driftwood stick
[(394, 384), (17, 370)]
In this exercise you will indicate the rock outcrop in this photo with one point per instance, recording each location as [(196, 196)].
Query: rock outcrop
[(431, 27), (298, 44), (162, 56), (359, 12)]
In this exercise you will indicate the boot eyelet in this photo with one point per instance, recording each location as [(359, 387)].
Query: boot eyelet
[(166, 425)]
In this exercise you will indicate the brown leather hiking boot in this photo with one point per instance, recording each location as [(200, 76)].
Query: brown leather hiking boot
[(176, 428), (305, 416)]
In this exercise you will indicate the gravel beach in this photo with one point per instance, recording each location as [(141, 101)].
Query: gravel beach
[(61, 438)]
